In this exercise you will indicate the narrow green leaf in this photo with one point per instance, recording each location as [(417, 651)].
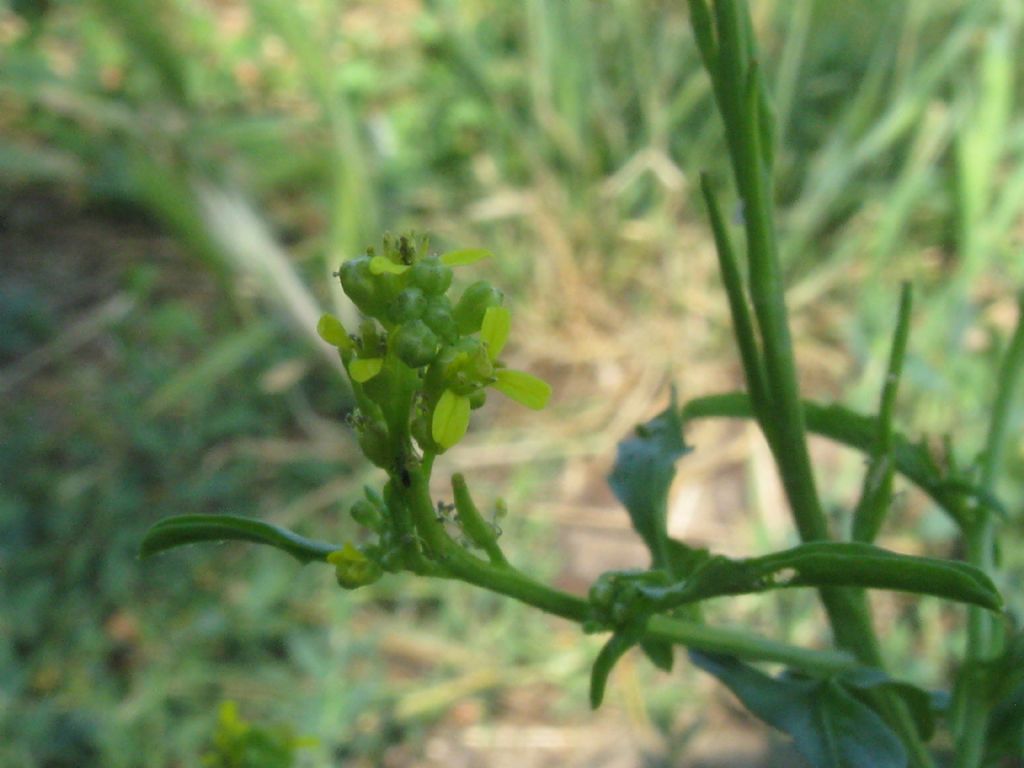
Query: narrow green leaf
[(380, 265), (190, 529), (620, 642), (643, 471), (330, 329), (465, 256), (495, 329), (363, 369), (523, 387), (830, 727), (732, 280), (876, 491), (703, 31), (451, 419), (830, 564)]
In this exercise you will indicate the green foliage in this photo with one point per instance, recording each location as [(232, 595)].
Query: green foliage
[(84, 477), (238, 743), (817, 564), (894, 123), (828, 724), (188, 529), (642, 476)]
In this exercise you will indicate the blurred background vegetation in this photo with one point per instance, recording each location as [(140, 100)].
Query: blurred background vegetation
[(179, 179)]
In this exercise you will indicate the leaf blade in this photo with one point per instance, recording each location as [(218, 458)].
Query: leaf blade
[(450, 420), (464, 256), (525, 388), (182, 530), (643, 472), (494, 331), (830, 564), (365, 368), (830, 727), (618, 644)]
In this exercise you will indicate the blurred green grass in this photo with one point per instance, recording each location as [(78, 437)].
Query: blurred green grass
[(272, 140)]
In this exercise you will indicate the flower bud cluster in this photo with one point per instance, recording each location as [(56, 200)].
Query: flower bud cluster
[(419, 363), (422, 361)]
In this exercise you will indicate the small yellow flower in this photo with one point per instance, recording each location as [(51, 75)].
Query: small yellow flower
[(352, 568), (451, 415)]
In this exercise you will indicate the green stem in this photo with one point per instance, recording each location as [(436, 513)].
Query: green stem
[(858, 432), (740, 96), (508, 581), (982, 638), (876, 493), (743, 645), (732, 279)]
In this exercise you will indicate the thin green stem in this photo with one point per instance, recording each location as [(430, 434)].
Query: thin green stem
[(856, 431), (876, 493), (476, 528), (1007, 394), (743, 645), (982, 638), (732, 279), (741, 100), (507, 580)]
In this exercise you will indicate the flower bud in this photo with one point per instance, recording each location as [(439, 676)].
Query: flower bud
[(438, 317), (373, 440), (415, 344), (477, 399), (407, 305), (374, 343), (366, 514), (361, 285), (469, 312), (353, 568), (431, 276)]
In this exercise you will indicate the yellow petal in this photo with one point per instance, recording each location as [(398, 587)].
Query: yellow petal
[(451, 419), (363, 369), (465, 256), (333, 332), (523, 388), (494, 330), (381, 264)]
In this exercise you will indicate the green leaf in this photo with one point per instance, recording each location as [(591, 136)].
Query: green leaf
[(494, 331), (643, 472), (465, 256), (380, 265), (352, 568), (616, 647), (1002, 680), (451, 419), (876, 490), (830, 727), (923, 705), (683, 559), (330, 329), (523, 387), (660, 653), (190, 529), (830, 564), (363, 369), (1005, 740)]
